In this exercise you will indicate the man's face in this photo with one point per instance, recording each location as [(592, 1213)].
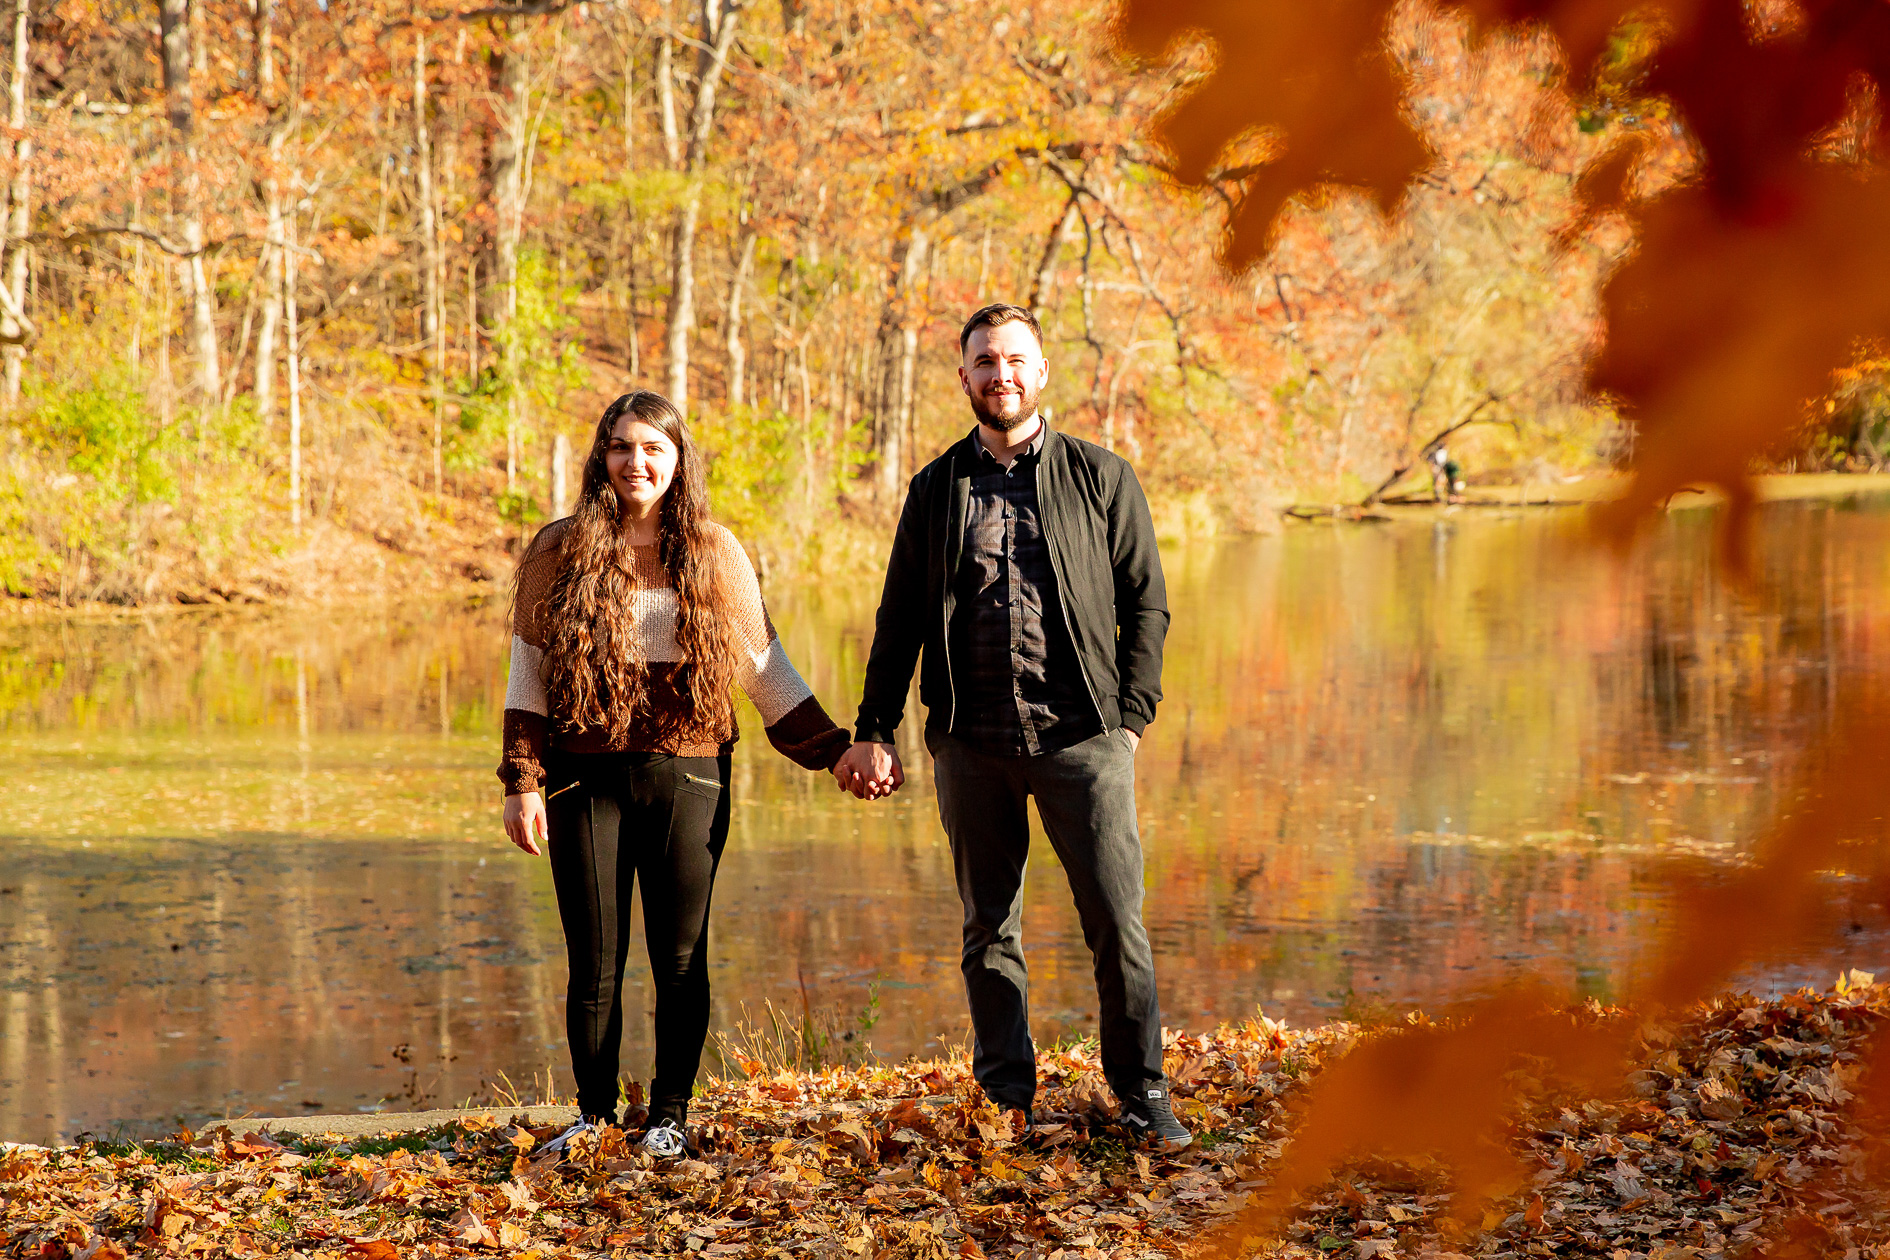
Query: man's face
[(1004, 371)]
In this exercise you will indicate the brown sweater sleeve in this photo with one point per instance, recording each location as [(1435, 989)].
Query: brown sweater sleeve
[(809, 738), (522, 752)]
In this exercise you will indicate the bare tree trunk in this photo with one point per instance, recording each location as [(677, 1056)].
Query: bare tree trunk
[(472, 319), (266, 330), (672, 149), (272, 283), (560, 477), (629, 96), (508, 197), (265, 30), (718, 36), (666, 100), (737, 354), (898, 351), (429, 256), (682, 296), (166, 384), (807, 424), (886, 427), (256, 289), (908, 366), (291, 313), (199, 39), (19, 196), (384, 309), (635, 364), (632, 359), (174, 35)]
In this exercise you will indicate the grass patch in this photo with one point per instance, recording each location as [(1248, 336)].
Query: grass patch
[(168, 1154), (388, 1144), (373, 1147), (1105, 1155)]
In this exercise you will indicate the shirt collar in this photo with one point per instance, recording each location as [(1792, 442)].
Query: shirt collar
[(1032, 451)]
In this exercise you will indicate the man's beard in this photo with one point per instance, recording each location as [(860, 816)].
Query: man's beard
[(1027, 407)]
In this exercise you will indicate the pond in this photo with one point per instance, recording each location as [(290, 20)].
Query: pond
[(253, 864)]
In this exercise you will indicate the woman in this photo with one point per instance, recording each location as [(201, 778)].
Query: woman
[(631, 619)]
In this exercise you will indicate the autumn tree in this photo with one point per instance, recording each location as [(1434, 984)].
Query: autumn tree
[(485, 219)]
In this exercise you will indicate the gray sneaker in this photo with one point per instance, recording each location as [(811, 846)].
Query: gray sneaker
[(1151, 1121)]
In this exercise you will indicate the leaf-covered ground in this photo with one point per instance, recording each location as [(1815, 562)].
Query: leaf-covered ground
[(1733, 1130)]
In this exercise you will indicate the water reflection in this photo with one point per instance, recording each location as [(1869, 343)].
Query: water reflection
[(252, 863)]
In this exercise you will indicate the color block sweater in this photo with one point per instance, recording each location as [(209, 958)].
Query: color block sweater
[(666, 722)]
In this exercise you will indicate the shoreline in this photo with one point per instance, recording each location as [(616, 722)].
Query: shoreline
[(1588, 492), (447, 580), (1731, 1125)]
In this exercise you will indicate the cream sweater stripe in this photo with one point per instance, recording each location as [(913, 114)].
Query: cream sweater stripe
[(767, 677)]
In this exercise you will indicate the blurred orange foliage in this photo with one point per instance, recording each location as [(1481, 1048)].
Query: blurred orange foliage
[(1749, 287), (1752, 282)]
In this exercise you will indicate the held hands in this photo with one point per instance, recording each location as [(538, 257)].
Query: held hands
[(869, 771), (525, 821)]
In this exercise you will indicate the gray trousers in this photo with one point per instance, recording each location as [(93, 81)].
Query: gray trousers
[(1086, 798)]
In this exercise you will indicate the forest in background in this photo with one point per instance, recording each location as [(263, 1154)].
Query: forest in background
[(300, 299)]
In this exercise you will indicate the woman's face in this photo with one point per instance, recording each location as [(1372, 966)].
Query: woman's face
[(641, 463)]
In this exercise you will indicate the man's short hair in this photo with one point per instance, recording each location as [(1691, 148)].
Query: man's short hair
[(997, 315)]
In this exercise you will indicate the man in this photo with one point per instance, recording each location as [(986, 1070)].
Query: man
[(1025, 569), (1446, 477)]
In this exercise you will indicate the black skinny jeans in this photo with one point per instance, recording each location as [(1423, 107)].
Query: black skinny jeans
[(663, 821)]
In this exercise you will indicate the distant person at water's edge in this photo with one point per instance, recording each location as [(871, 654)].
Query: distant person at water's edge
[(631, 620), (1025, 570)]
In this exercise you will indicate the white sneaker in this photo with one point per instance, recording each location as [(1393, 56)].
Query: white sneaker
[(563, 1140), (665, 1139)]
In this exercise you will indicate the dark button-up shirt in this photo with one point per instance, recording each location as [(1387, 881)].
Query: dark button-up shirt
[(1020, 690)]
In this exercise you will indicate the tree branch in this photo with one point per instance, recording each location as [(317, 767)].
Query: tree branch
[(530, 8), (1046, 265), (1470, 417), (163, 242)]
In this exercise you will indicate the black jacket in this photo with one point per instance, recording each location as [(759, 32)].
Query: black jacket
[(1109, 579)]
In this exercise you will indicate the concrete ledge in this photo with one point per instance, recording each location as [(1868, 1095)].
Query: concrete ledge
[(377, 1123), (366, 1124)]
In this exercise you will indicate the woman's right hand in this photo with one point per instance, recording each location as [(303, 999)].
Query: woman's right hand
[(525, 821)]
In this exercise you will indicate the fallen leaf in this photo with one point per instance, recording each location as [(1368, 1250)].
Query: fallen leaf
[(468, 1228), (1719, 1101)]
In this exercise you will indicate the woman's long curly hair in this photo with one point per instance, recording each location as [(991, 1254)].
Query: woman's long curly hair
[(595, 672)]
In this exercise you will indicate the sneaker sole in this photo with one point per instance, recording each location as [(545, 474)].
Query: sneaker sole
[(1154, 1141), (1163, 1146)]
